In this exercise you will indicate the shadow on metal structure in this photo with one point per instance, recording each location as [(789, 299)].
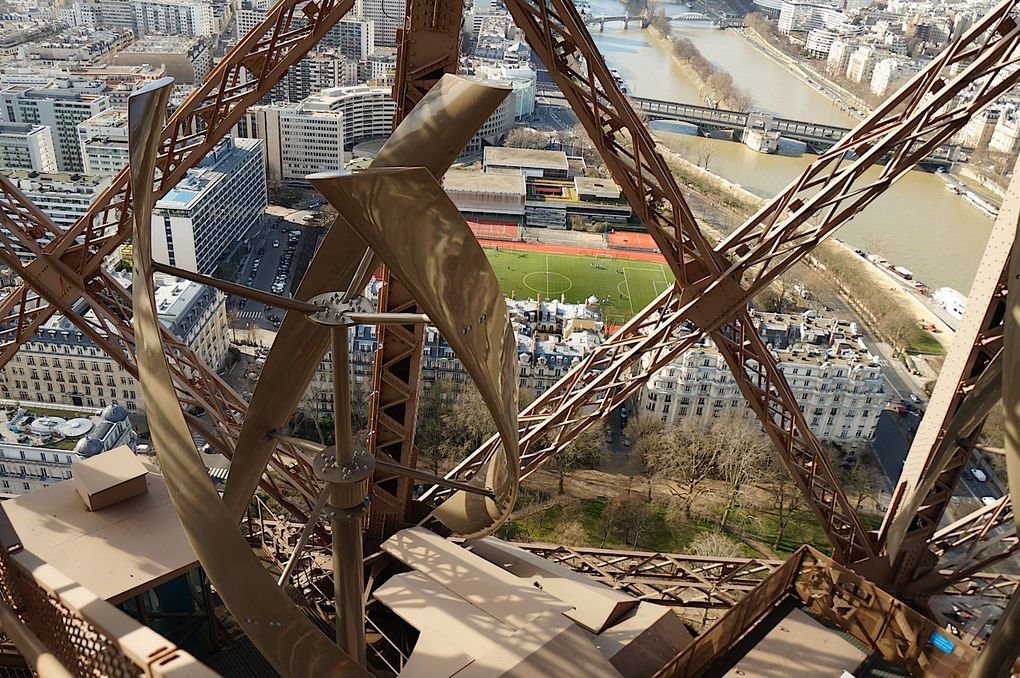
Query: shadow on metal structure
[(432, 136), (409, 222), (282, 633)]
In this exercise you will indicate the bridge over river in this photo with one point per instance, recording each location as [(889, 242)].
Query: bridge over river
[(641, 20), (817, 137)]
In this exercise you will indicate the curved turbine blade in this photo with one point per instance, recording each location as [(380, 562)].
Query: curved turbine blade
[(291, 643), (406, 218), (432, 135)]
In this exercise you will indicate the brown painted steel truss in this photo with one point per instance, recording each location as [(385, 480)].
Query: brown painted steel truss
[(715, 280)]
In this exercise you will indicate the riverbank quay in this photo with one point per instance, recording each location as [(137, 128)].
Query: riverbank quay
[(815, 78), (809, 76), (889, 311)]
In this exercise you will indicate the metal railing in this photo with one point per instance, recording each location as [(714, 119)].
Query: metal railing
[(63, 629)]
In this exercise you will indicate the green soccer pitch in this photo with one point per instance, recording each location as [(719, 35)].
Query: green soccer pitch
[(623, 286)]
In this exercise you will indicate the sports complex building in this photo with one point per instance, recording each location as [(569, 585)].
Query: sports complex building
[(537, 188)]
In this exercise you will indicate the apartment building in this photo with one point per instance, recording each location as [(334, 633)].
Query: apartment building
[(174, 17), (213, 207), (318, 71), (63, 367), (59, 109), (835, 378), (388, 16), (27, 147), (552, 337)]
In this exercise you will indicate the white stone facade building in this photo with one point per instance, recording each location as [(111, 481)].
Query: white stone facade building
[(552, 337), (836, 380), (1006, 135), (63, 367)]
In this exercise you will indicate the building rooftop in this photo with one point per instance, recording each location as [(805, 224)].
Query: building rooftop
[(463, 180), (597, 186), (57, 181), (34, 92), (175, 300), (111, 117), (217, 165), (809, 340), (53, 427), (117, 552), (328, 96), (19, 128), (526, 157), (164, 43)]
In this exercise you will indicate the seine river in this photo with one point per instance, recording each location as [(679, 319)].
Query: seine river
[(917, 223)]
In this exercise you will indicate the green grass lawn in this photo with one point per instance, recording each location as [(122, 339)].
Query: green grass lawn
[(623, 286), (660, 534), (759, 524)]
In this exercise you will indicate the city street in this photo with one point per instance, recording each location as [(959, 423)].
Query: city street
[(892, 440), (270, 249)]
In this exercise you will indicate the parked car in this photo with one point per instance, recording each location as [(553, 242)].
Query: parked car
[(915, 398), (988, 501), (979, 475)]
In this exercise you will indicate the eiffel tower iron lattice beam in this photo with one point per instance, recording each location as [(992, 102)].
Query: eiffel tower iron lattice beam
[(714, 281)]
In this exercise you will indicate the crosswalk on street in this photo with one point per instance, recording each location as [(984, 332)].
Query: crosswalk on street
[(249, 314)]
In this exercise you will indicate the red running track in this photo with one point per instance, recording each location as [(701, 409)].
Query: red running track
[(576, 251)]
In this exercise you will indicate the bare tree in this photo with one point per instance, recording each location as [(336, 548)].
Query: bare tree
[(704, 156), (309, 412), (251, 333), (716, 545), (430, 434), (525, 137), (232, 319), (860, 479), (359, 406), (469, 418), (684, 458), (608, 519), (645, 434), (786, 497), (629, 514), (582, 452), (743, 454)]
